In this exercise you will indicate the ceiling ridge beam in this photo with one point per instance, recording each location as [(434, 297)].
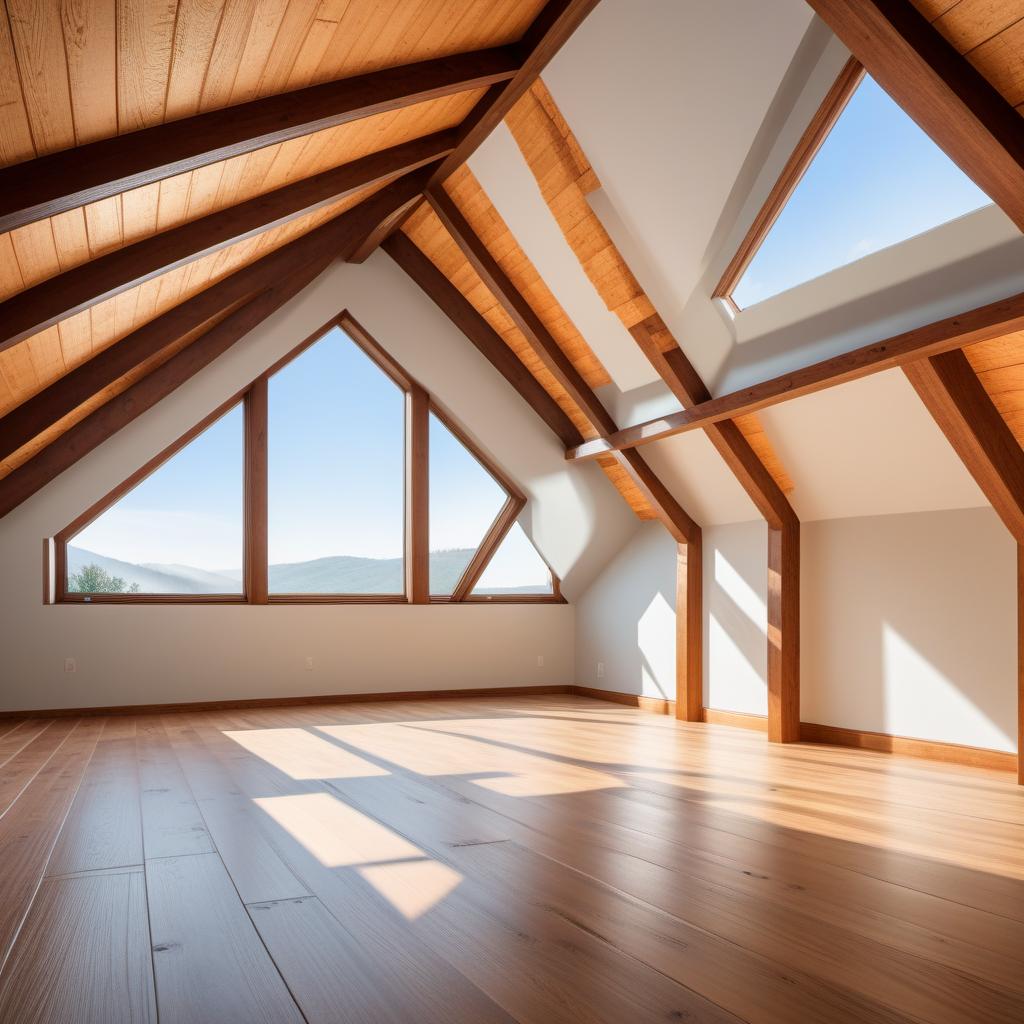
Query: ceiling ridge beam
[(64, 395), (672, 515), (59, 297), (1005, 316), (61, 181), (940, 89), (479, 332)]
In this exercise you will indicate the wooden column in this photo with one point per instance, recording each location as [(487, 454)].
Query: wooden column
[(784, 633), (689, 631), (256, 567), (1020, 664), (417, 505)]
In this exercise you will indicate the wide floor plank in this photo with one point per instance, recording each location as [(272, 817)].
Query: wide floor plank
[(83, 955), (542, 860)]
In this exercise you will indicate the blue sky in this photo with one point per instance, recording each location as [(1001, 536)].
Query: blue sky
[(877, 180), (336, 463)]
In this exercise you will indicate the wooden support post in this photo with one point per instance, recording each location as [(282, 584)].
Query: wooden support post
[(1020, 664), (256, 560), (784, 633), (417, 507), (689, 631)]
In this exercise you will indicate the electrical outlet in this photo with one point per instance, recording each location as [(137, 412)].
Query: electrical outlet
[(600, 670), (540, 661), (70, 665), (309, 664)]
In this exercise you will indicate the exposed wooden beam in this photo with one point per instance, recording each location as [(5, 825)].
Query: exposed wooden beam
[(939, 89), (59, 297), (965, 413), (31, 418), (676, 370), (541, 41), (992, 321), (669, 511), (104, 422), (487, 341), (960, 405), (62, 181)]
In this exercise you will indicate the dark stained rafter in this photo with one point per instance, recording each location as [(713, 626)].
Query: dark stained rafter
[(940, 89), (669, 511), (273, 278), (995, 320), (541, 41), (61, 181), (53, 300), (487, 341)]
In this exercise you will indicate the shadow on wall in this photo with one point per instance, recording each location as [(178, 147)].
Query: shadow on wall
[(919, 638)]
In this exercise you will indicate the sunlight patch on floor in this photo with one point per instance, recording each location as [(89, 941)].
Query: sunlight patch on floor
[(412, 887), (303, 755)]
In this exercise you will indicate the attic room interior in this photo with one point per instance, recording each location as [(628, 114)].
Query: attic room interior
[(511, 511)]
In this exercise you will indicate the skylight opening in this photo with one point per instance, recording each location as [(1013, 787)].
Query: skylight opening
[(877, 180)]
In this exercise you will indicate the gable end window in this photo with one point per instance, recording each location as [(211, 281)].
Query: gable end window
[(333, 478)]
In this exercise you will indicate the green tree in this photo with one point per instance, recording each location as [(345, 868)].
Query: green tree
[(93, 579)]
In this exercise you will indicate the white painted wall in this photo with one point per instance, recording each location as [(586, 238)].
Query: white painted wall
[(908, 623), (909, 626), (159, 654)]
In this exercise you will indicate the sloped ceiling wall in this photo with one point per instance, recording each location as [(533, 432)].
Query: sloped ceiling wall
[(672, 109)]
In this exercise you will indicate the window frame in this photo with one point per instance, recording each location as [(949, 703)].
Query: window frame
[(814, 136), (255, 561)]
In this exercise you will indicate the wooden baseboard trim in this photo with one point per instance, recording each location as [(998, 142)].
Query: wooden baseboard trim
[(952, 753), (737, 719), (811, 732), (277, 702), (655, 705)]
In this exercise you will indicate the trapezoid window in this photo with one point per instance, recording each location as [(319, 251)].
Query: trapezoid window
[(336, 457), (876, 180), (178, 531), (516, 568)]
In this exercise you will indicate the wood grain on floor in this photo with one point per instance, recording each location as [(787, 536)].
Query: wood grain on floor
[(533, 859)]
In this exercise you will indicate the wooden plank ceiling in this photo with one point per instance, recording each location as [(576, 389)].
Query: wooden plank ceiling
[(76, 73)]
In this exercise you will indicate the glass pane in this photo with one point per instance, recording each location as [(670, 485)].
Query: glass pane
[(464, 502), (177, 532), (877, 180), (336, 439), (516, 568)]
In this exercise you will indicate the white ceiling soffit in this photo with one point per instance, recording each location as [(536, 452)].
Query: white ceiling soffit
[(867, 448), (666, 99), (502, 170)]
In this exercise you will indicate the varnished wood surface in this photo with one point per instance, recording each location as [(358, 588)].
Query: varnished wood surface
[(544, 859)]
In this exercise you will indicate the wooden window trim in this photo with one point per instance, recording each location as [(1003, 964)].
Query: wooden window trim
[(800, 159), (255, 571)]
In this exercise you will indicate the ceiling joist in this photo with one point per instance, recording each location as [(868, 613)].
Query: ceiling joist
[(61, 181), (982, 324), (320, 246), (37, 308)]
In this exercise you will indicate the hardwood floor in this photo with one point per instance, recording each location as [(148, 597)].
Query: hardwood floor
[(551, 860)]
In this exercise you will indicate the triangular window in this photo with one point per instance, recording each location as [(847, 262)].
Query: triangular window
[(516, 568), (876, 180), (465, 500), (335, 460), (179, 530)]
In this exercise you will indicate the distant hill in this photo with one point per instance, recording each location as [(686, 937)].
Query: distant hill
[(338, 574)]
